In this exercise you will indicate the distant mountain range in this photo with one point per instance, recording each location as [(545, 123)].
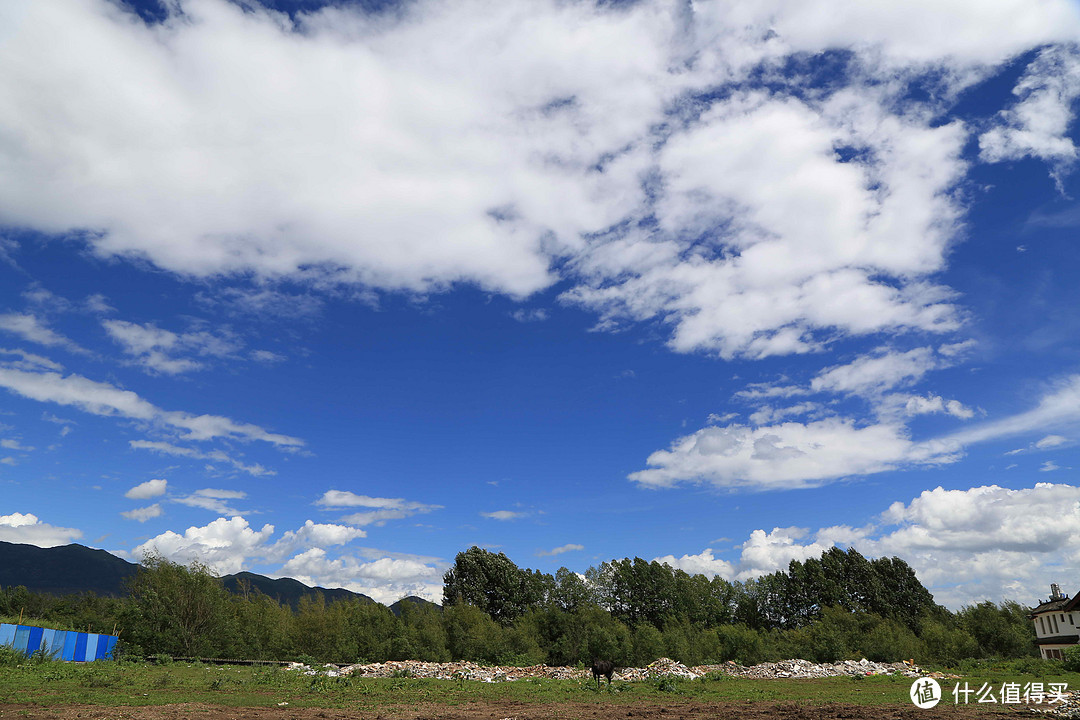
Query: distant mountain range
[(68, 569)]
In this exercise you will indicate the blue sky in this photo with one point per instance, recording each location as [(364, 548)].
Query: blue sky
[(335, 291)]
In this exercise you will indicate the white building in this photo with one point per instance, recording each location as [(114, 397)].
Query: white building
[(1057, 623)]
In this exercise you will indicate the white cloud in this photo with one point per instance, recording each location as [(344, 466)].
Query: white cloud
[(230, 546), (156, 349), (489, 142), (26, 528), (788, 455), (99, 398), (383, 509), (312, 534), (965, 545), (1051, 441), (1049, 466), (704, 563), (345, 498), (32, 328), (569, 547), (214, 500), (503, 515), (766, 415), (225, 545), (214, 455), (386, 579), (144, 513), (1037, 126), (876, 373), (919, 405), (267, 357), (148, 489), (534, 315), (1059, 405), (795, 455), (29, 361), (12, 444)]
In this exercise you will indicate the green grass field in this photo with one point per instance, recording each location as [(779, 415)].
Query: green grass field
[(126, 684)]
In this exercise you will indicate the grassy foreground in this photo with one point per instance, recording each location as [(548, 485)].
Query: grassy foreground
[(132, 684)]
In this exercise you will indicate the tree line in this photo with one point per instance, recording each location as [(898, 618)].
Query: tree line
[(838, 606)]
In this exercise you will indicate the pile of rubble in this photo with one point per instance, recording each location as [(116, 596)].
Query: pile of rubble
[(1068, 709), (807, 669), (664, 667)]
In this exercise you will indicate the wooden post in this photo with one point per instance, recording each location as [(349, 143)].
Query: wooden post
[(20, 615)]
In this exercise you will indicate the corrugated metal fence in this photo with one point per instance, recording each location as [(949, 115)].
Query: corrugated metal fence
[(59, 644)]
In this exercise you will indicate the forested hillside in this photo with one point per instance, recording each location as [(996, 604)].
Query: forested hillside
[(631, 611)]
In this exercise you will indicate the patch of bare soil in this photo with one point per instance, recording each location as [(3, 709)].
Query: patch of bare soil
[(522, 711)]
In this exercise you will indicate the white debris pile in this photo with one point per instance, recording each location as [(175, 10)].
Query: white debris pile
[(1067, 709), (328, 669), (805, 669), (663, 667)]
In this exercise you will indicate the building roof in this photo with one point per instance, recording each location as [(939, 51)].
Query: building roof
[(1054, 606)]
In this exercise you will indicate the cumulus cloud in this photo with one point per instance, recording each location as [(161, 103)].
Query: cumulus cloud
[(788, 455), (799, 455), (312, 534), (226, 545), (480, 150), (28, 529), (144, 513), (965, 545), (148, 489), (232, 545), (386, 579), (1038, 124)]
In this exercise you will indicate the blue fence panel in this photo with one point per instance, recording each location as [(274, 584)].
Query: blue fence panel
[(70, 641), (53, 645), (59, 644), (91, 647), (22, 637), (103, 647), (47, 636), (7, 634), (33, 640), (110, 645)]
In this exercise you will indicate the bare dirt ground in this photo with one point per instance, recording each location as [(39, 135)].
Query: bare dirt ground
[(523, 711)]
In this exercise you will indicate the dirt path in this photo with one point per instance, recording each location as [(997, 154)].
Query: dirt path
[(522, 711)]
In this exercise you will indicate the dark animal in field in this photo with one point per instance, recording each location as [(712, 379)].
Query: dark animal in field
[(605, 668)]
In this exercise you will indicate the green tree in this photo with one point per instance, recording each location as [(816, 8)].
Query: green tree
[(178, 610), (492, 582)]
